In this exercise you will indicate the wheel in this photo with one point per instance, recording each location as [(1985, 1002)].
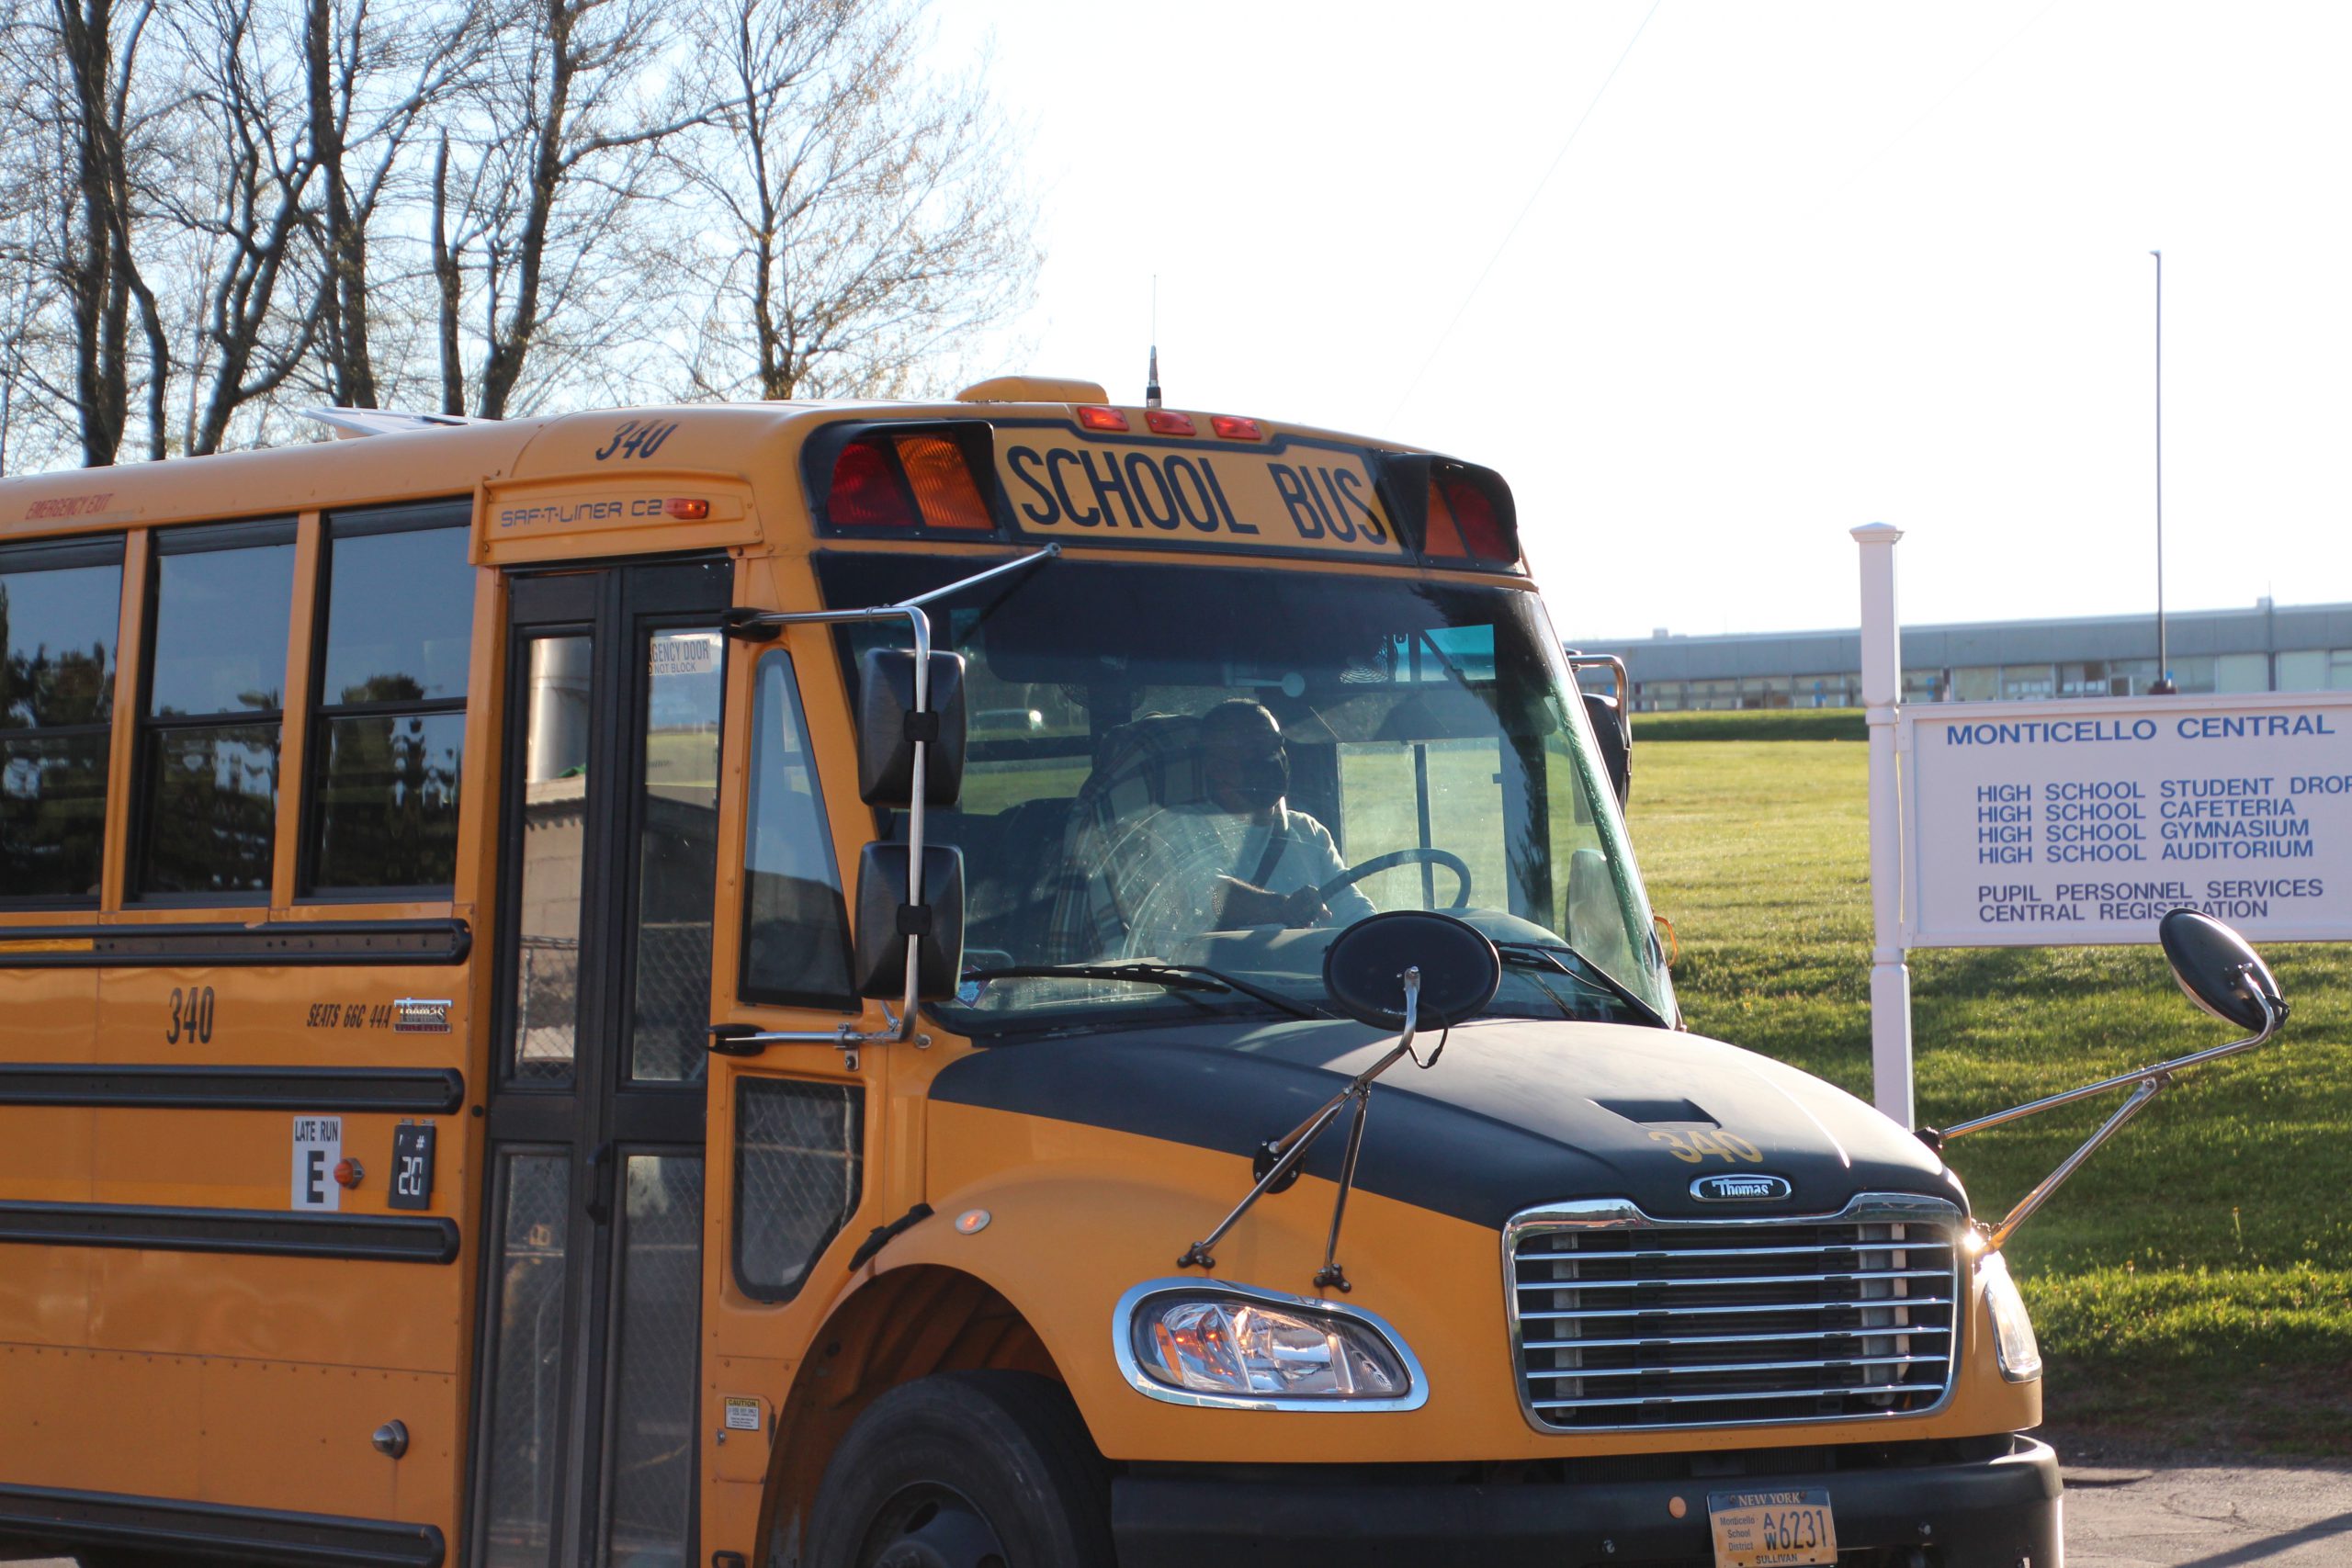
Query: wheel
[(1446, 858), (966, 1470)]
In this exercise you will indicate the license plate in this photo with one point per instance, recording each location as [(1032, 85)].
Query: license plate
[(1772, 1529)]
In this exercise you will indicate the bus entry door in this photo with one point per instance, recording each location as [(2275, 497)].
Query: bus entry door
[(584, 1452)]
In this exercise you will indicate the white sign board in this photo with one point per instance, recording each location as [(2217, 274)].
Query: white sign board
[(2047, 823)]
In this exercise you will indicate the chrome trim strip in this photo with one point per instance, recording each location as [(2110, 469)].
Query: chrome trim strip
[(1728, 1311), (1734, 1279), (1142, 1382), (1623, 1213), (1771, 1251), (1906, 1329)]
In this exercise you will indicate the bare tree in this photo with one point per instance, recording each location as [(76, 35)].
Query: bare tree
[(79, 132), (532, 211), (870, 214)]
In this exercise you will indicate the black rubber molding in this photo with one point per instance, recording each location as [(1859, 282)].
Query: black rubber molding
[(55, 1519), (268, 1232), (266, 943), (424, 1091)]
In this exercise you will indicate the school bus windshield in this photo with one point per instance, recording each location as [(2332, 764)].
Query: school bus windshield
[(1223, 767)]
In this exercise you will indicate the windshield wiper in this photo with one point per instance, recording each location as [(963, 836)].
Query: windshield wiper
[(1174, 977), (1537, 956)]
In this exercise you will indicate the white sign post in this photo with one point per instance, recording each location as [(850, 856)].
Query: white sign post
[(1882, 704), (2083, 820)]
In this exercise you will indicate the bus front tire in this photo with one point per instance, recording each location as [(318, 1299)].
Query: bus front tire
[(966, 1470)]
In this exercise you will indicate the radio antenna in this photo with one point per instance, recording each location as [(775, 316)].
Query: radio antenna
[(1151, 376)]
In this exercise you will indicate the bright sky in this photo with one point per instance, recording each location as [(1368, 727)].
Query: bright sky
[(1805, 267)]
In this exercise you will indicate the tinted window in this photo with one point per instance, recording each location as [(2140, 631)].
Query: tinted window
[(221, 630), (793, 947), (216, 681), (400, 617), (59, 605), (57, 641), (388, 743)]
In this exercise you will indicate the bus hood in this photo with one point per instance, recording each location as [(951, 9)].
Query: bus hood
[(1518, 1114)]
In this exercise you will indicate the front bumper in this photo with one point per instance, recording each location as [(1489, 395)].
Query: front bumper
[(1997, 1509)]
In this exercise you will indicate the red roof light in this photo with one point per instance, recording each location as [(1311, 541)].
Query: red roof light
[(1094, 418), (1233, 427), (866, 493), (1168, 423)]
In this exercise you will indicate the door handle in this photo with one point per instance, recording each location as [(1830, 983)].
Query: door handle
[(600, 1184)]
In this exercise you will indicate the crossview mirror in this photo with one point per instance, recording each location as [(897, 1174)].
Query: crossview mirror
[(889, 726), (2218, 969), (1365, 969), (885, 918), (1400, 971)]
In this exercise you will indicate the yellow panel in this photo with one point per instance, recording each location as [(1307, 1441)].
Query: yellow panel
[(49, 1012), (297, 1437), (100, 1423), (398, 1316), (44, 1298)]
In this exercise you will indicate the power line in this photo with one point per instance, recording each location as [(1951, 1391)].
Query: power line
[(1512, 233)]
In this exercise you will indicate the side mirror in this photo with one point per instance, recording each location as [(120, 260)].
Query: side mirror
[(1363, 969), (886, 920), (1616, 738), (889, 726), (2219, 971)]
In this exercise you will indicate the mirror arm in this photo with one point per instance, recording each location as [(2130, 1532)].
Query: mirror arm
[(2273, 1015), (2150, 1087), (2150, 1082), (902, 1027), (1291, 1148)]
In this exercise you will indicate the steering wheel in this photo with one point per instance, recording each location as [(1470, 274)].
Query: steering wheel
[(1378, 864)]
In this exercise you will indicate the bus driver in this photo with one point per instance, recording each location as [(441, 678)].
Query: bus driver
[(1238, 857)]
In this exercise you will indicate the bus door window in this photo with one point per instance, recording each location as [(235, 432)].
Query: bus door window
[(554, 818), (59, 605), (389, 742), (216, 681), (677, 854)]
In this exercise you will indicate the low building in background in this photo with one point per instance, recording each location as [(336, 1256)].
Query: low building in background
[(2268, 648)]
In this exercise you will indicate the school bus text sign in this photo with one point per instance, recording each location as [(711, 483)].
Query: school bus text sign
[(2047, 823)]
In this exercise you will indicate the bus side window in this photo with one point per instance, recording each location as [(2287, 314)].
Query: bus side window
[(795, 946), (387, 745), (216, 675), (800, 1166), (59, 605)]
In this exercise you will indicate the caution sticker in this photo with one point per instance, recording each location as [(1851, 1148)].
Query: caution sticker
[(743, 1415)]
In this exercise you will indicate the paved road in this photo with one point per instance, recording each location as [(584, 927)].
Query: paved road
[(2208, 1517), (2190, 1517)]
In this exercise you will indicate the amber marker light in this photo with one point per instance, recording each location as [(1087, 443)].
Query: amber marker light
[(1101, 419), (686, 510)]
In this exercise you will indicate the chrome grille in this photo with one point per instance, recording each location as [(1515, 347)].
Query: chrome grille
[(1621, 1321)]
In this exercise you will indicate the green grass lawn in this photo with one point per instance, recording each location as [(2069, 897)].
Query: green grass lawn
[(2193, 1283)]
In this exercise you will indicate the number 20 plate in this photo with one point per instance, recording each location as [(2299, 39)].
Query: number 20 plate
[(1772, 1529)]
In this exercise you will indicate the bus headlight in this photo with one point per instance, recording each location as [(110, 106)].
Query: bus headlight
[(1194, 1343), (2013, 1341)]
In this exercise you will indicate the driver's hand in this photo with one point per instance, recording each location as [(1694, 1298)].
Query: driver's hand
[(1243, 905)]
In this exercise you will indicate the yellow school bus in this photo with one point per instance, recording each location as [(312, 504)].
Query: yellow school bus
[(1007, 981)]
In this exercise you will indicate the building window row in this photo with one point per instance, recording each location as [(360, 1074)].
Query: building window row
[(2300, 669)]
